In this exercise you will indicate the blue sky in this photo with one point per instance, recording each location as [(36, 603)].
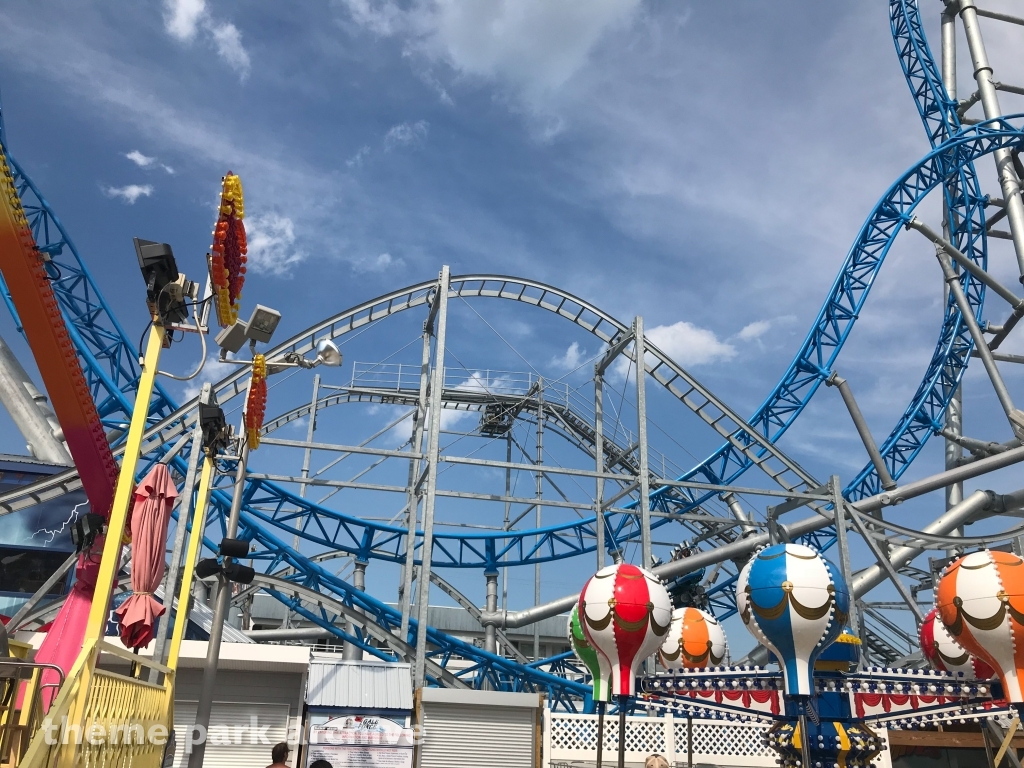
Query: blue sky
[(705, 166)]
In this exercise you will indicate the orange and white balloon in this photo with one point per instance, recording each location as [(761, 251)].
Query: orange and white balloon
[(981, 602), (695, 640)]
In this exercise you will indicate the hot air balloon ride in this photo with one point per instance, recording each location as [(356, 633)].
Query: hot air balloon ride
[(795, 603), (981, 602), (625, 613), (695, 640)]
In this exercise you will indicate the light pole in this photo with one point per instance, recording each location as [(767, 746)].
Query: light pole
[(259, 328)]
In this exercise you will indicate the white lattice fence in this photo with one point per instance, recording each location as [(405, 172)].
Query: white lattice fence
[(572, 738)]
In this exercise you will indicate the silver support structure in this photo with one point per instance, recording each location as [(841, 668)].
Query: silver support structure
[(738, 512), (640, 353), (540, 495), (29, 411), (1008, 180), (889, 570), (744, 547), (170, 584), (430, 493), (954, 411), (491, 606), (1015, 417), (835, 380), (599, 466), (508, 512), (412, 502), (351, 651), (220, 610), (843, 544), (307, 454)]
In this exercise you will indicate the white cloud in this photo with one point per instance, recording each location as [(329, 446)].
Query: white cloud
[(181, 17), (271, 240), (144, 161), (689, 345), (357, 160), (213, 371), (572, 358), (754, 330), (184, 18), (533, 46), (229, 47), (129, 193), (684, 342), (405, 133), (140, 159), (376, 264)]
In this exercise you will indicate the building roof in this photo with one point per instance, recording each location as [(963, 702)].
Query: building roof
[(333, 682)]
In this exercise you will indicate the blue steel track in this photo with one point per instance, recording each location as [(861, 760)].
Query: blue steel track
[(109, 360)]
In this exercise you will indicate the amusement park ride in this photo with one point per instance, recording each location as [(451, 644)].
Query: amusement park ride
[(113, 410)]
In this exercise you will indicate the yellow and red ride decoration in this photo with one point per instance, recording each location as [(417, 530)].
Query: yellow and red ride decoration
[(24, 271), (228, 252), (981, 601), (256, 402)]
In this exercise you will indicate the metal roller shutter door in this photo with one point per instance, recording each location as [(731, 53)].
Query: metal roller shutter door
[(231, 715), (482, 737)]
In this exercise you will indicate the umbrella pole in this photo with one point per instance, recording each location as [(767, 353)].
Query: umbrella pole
[(623, 701), (600, 732)]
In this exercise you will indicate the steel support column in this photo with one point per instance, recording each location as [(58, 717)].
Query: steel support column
[(1008, 180), (491, 605), (538, 509), (29, 411), (954, 411), (413, 497), (640, 353), (599, 526), (843, 544), (351, 651), (430, 493), (220, 611), (170, 583)]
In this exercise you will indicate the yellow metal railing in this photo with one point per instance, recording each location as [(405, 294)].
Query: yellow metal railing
[(102, 718)]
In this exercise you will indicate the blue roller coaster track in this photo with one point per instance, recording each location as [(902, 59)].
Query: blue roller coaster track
[(271, 515)]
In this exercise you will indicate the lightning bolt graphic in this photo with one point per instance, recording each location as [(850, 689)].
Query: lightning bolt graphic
[(63, 527)]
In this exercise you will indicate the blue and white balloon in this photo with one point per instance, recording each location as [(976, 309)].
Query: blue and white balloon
[(795, 603)]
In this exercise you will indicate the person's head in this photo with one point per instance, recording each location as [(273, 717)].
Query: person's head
[(279, 753), (320, 764), (655, 761)]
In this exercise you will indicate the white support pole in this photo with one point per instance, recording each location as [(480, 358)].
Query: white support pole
[(641, 415), (599, 461), (1008, 180), (413, 498), (430, 494), (538, 509)]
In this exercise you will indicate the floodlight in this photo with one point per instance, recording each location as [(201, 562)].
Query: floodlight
[(213, 425), (232, 338), (86, 529), (262, 323), (207, 568), (327, 353), (242, 574), (234, 547), (166, 289), (156, 260)]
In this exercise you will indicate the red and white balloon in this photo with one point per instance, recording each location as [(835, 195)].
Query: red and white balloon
[(695, 640), (626, 613), (947, 655)]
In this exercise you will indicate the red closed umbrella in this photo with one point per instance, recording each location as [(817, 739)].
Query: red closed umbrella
[(151, 512)]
